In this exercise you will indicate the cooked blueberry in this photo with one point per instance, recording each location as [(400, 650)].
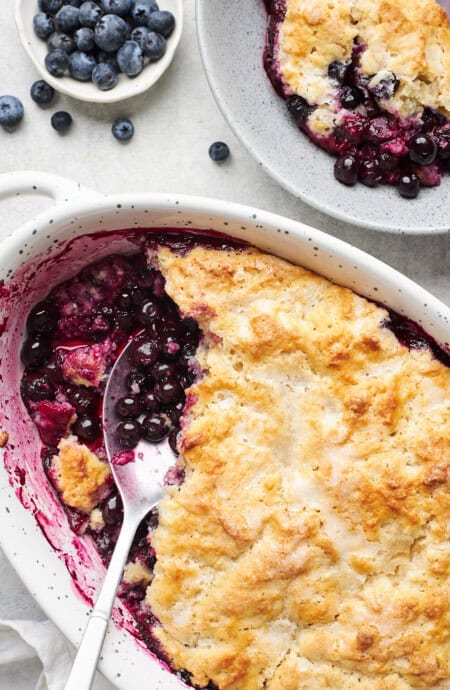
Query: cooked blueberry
[(346, 169), (84, 400), (11, 112), (170, 347), (142, 10), (67, 19), (174, 438), (84, 39), (350, 97), (174, 412), (145, 353), (111, 32), (50, 6), (104, 76), (154, 46), (90, 13), (129, 433), (381, 129), (369, 172), (59, 41), (298, 107), (53, 368), (219, 152), (120, 7), (124, 299), (337, 70), (87, 428), (42, 93), (443, 142), (57, 62), (113, 510), (126, 320), (149, 402), (149, 312), (409, 185), (130, 58), (81, 65), (137, 382), (128, 407), (43, 25), (61, 121), (163, 370), (154, 428), (388, 162), (43, 318), (162, 21), (168, 391), (139, 34), (422, 149), (122, 129), (386, 87), (37, 388), (35, 352)]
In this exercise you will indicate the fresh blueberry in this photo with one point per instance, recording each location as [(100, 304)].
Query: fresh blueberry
[(111, 32), (11, 112), (104, 76), (346, 169), (61, 121), (219, 152), (120, 7), (81, 65), (163, 22), (67, 19), (422, 149), (57, 62), (337, 70), (42, 93), (154, 46), (142, 10), (73, 3), (409, 185), (90, 13), (50, 6), (59, 41), (84, 39), (43, 25), (130, 58), (107, 58), (123, 129), (139, 34)]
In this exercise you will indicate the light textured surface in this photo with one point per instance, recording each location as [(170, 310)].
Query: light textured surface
[(175, 123)]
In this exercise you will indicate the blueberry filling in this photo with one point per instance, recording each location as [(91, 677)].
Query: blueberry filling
[(372, 145)]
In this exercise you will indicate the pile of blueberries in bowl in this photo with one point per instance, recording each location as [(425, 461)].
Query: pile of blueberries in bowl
[(98, 40)]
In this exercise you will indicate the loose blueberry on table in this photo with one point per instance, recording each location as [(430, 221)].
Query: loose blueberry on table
[(373, 144), (95, 41)]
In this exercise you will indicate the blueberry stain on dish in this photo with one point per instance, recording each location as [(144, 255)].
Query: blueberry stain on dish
[(84, 36)]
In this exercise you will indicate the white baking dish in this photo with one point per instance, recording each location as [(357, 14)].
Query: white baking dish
[(75, 213)]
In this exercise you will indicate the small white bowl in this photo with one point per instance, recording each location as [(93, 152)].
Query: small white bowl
[(87, 91)]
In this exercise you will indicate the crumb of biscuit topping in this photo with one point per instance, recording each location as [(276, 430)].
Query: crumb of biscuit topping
[(80, 476), (4, 436), (136, 573)]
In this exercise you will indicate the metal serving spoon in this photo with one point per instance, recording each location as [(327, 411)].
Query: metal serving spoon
[(140, 481)]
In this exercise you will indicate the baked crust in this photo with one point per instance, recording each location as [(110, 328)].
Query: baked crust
[(309, 544), (79, 475), (406, 38)]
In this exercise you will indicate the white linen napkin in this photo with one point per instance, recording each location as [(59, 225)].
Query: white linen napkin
[(36, 656)]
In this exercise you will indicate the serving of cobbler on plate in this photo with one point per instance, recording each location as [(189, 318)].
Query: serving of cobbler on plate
[(368, 81), (304, 543)]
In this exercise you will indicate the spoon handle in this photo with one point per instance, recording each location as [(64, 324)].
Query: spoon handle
[(84, 667)]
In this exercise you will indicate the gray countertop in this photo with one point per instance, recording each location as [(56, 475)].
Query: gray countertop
[(175, 124)]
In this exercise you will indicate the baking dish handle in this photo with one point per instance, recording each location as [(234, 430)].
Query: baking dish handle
[(60, 189)]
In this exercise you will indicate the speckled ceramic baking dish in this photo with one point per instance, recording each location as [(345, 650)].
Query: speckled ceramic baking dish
[(42, 253)]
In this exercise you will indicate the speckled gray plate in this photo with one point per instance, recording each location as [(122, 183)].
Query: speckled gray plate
[(231, 36)]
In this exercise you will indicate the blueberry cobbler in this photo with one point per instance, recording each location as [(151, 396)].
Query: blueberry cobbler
[(306, 545), (368, 81)]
